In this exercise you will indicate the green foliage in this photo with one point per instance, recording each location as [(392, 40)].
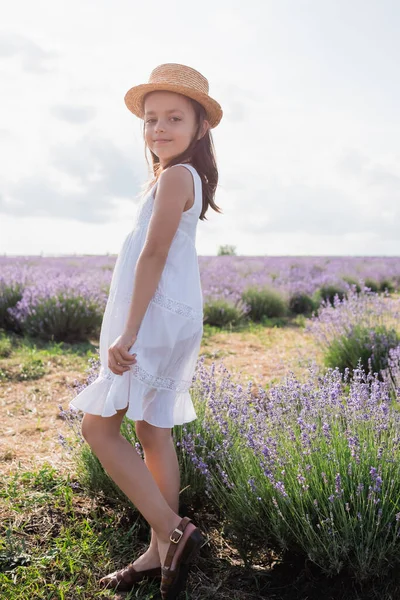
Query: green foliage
[(362, 343), (396, 282), (33, 368), (329, 526), (22, 367), (352, 281), (226, 251), (55, 544), (193, 482), (264, 302), (5, 345), (328, 292), (247, 523), (63, 318), (25, 358), (9, 296), (301, 303), (373, 284), (221, 313), (387, 284)]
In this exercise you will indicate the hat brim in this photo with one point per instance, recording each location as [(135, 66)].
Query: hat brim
[(134, 99)]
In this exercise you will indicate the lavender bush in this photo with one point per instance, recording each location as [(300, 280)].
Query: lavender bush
[(54, 298), (228, 276), (301, 303), (362, 325), (226, 281), (327, 293), (221, 313), (379, 286), (391, 375), (312, 466), (306, 466), (370, 346), (57, 315), (264, 302), (10, 294)]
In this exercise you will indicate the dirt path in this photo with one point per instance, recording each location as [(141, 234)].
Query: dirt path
[(30, 421)]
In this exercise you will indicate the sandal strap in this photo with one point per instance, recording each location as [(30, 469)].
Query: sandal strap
[(129, 575), (175, 538)]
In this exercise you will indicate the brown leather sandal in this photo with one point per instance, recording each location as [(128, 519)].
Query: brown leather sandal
[(174, 581), (124, 579)]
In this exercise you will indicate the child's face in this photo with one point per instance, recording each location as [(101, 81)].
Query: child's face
[(169, 116)]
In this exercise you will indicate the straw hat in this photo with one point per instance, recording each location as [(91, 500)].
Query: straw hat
[(177, 78)]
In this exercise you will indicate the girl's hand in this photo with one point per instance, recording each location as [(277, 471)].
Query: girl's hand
[(119, 359)]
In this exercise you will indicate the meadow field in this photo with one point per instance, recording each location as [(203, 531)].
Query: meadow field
[(291, 469)]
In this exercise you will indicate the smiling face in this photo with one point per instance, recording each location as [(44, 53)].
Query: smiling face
[(169, 116)]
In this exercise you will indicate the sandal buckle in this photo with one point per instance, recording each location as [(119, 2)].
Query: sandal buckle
[(176, 540)]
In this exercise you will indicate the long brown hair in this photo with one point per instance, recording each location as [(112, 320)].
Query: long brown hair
[(200, 154)]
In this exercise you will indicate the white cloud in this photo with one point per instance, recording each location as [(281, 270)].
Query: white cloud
[(74, 114), (307, 149), (32, 57)]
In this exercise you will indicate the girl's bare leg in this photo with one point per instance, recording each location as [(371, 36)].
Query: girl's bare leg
[(161, 460), (124, 465)]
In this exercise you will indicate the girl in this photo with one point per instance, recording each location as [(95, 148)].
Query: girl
[(153, 323)]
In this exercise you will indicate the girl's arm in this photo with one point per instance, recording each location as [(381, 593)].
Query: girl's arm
[(175, 187), (148, 273)]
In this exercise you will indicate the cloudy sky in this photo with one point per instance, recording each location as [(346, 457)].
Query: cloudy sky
[(308, 149)]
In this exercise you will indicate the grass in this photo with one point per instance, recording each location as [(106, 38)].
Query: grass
[(23, 358), (57, 541)]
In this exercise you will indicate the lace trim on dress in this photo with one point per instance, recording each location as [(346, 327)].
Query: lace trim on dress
[(179, 386), (177, 307), (165, 301)]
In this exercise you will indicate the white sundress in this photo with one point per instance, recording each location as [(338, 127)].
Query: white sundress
[(156, 388)]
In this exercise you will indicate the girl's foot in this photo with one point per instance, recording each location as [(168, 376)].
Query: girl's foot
[(145, 566), (148, 560)]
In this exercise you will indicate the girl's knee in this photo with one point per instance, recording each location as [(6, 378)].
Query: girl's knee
[(97, 428), (150, 435), (89, 427)]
